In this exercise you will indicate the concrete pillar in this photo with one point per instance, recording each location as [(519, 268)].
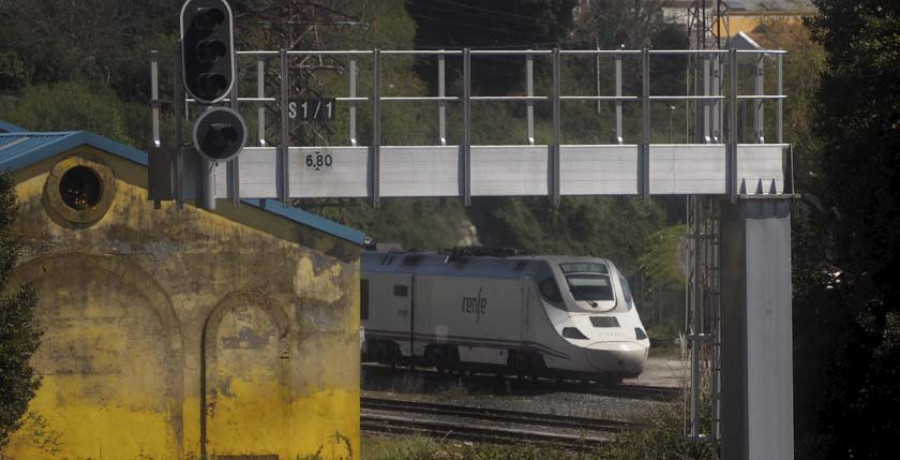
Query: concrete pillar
[(757, 363)]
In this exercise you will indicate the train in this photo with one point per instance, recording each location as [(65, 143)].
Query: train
[(508, 313)]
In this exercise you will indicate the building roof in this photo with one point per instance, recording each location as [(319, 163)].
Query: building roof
[(769, 6), (20, 149), (743, 41), (6, 127)]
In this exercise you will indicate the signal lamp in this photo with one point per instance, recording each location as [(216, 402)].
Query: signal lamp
[(219, 134), (207, 49)]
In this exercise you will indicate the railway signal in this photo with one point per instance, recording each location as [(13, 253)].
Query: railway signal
[(207, 49), (219, 134)]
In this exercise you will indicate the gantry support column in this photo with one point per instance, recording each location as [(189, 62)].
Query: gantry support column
[(757, 364)]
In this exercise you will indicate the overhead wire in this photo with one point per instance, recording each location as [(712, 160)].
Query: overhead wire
[(467, 25), (486, 10)]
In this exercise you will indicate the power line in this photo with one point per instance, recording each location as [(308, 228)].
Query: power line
[(487, 10), (469, 25)]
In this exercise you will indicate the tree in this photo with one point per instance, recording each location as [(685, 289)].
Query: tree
[(536, 24), (611, 23), (585, 226), (858, 111), (73, 106), (19, 334), (101, 41)]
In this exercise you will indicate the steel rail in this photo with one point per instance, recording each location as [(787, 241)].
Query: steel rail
[(385, 424), (496, 415)]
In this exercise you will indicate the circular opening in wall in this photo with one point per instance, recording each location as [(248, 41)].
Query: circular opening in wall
[(80, 188)]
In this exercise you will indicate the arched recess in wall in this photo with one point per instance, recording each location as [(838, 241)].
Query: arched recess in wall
[(111, 357), (246, 378)]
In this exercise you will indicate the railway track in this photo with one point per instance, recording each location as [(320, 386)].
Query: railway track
[(625, 391), (516, 386), (484, 425)]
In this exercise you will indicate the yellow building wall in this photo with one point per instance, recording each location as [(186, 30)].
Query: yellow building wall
[(181, 333), (732, 24)]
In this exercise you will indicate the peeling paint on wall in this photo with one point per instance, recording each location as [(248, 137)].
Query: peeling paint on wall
[(181, 333)]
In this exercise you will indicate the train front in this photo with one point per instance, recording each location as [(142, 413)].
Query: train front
[(601, 319)]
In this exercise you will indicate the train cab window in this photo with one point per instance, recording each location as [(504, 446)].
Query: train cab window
[(590, 286), (401, 290), (363, 299), (550, 290), (589, 267)]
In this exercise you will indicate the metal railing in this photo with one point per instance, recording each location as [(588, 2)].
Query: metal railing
[(712, 100)]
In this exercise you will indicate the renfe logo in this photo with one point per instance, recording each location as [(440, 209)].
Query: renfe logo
[(476, 305)]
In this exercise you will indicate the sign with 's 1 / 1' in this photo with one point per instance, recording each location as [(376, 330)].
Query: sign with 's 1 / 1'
[(312, 109)]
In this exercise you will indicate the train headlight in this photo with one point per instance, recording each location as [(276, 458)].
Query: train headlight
[(573, 333), (639, 334)]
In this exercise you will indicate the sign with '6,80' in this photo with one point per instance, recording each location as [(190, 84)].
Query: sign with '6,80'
[(318, 161)]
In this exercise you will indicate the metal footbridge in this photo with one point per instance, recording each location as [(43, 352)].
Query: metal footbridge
[(719, 164)]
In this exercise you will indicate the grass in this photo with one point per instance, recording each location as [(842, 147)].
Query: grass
[(661, 438), (418, 448), (668, 351)]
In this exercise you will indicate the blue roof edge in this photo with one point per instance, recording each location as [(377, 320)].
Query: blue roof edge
[(69, 140), (8, 127), (317, 222)]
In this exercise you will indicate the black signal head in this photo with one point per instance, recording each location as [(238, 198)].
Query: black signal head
[(219, 134), (207, 49)]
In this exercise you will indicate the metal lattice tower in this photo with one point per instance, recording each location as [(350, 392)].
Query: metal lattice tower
[(702, 315)]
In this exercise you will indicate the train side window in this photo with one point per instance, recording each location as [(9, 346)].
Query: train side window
[(401, 290), (626, 289), (550, 290), (412, 261), (363, 299)]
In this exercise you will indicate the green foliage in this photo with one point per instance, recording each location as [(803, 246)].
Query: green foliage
[(611, 23), (661, 260), (659, 285), (420, 223), (71, 106), (12, 70), (580, 226), (101, 41), (857, 110), (417, 448), (19, 334), (663, 438), (477, 24), (38, 433)]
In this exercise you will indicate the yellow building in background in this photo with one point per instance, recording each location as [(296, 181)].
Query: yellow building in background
[(752, 16), (179, 333), (730, 17)]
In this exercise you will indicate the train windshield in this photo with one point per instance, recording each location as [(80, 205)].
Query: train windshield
[(588, 281), (584, 267), (590, 286)]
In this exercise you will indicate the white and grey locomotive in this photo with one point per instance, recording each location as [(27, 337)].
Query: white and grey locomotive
[(533, 315)]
